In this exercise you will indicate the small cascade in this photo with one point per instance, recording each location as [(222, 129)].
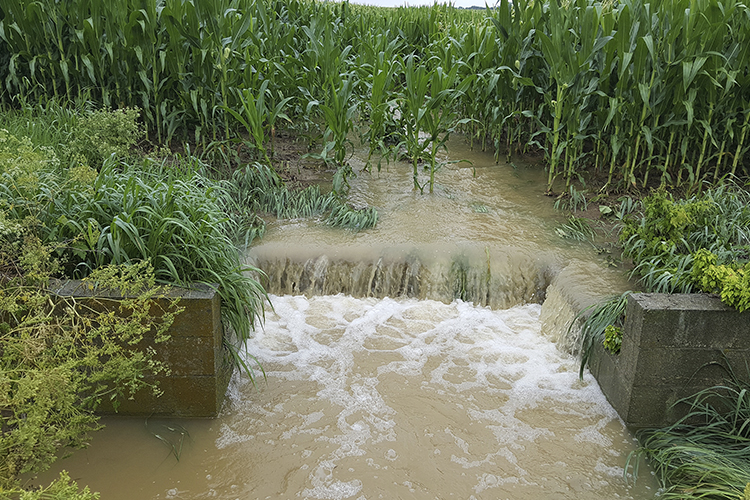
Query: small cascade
[(491, 276), (577, 286), (488, 276)]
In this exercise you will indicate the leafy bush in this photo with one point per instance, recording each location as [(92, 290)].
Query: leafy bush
[(103, 133), (612, 339), (732, 281), (663, 241), (22, 164), (62, 488)]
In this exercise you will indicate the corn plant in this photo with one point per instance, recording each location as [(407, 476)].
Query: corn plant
[(378, 73), (412, 108), (438, 118), (571, 72), (259, 119)]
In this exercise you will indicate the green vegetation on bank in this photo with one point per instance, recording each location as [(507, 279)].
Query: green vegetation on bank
[(125, 209), (675, 243), (74, 203)]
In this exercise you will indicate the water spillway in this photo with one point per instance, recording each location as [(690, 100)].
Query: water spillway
[(426, 358), (496, 277), (487, 235)]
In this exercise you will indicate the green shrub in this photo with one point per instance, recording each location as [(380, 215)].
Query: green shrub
[(663, 241), (732, 281), (664, 224), (612, 339), (22, 163), (103, 133)]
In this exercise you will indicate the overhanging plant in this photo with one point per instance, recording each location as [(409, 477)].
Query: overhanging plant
[(60, 359)]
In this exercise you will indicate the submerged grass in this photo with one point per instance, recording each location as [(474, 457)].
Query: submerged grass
[(577, 229), (261, 189), (171, 434)]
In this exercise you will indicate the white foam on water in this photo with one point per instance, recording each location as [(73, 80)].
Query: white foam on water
[(426, 397)]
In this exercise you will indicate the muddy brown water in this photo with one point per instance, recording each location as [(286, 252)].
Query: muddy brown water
[(381, 383)]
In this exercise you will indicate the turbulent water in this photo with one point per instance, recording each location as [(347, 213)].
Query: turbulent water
[(426, 359)]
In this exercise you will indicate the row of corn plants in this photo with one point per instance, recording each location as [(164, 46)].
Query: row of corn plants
[(636, 92), (629, 90)]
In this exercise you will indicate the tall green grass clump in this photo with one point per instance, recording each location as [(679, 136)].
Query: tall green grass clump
[(175, 218), (127, 212), (706, 454)]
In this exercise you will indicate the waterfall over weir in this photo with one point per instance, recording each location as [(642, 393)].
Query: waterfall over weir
[(496, 277), (492, 276)]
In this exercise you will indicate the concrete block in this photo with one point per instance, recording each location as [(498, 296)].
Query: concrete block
[(195, 353), (673, 346)]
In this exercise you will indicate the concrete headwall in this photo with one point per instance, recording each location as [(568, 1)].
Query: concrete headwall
[(673, 346), (195, 353)]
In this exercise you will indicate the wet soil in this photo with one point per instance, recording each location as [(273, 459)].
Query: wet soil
[(289, 161)]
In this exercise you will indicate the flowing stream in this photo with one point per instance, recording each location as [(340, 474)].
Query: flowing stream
[(424, 359)]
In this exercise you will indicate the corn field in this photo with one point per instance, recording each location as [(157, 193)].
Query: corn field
[(638, 93)]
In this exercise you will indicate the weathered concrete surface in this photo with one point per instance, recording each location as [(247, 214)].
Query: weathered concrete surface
[(672, 347), (200, 364)]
